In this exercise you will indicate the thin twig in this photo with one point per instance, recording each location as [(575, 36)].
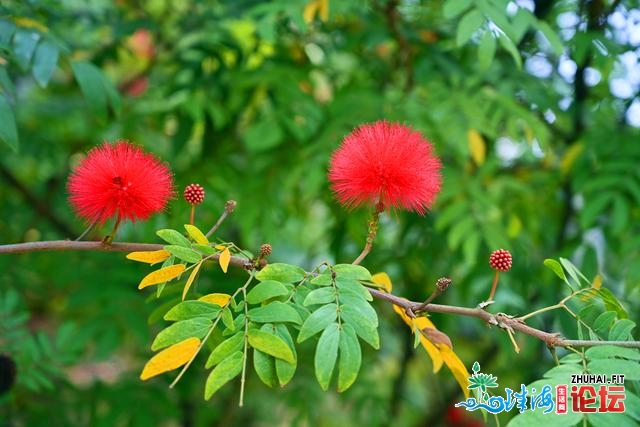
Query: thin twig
[(72, 245), (502, 320), (228, 208)]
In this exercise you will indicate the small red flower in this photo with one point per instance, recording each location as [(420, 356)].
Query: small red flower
[(194, 194), (119, 179), (500, 260), (386, 163)]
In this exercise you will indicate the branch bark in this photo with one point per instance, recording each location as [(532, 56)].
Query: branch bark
[(72, 245), (501, 320)]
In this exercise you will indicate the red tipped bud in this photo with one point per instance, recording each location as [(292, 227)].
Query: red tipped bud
[(265, 250), (194, 194), (500, 260)]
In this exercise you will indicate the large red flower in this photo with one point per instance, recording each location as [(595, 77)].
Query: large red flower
[(119, 179), (386, 163)]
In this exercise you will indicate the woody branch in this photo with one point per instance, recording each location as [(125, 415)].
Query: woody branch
[(500, 320)]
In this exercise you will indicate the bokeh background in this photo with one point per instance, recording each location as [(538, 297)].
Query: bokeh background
[(532, 105)]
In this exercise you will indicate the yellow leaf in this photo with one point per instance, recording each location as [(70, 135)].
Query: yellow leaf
[(191, 278), (597, 282), (30, 23), (457, 368), (219, 247), (324, 10), (310, 11), (150, 257), (197, 235), (170, 358), (477, 146), (163, 275), (416, 325), (440, 353), (316, 7), (218, 299), (383, 280), (570, 157), (225, 257)]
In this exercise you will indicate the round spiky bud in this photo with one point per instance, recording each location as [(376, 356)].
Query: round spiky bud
[(265, 250), (500, 260), (194, 194)]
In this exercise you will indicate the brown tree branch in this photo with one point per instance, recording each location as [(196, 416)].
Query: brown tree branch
[(501, 320), (72, 245)]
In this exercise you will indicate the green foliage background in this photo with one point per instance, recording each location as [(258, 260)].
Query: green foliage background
[(249, 100)]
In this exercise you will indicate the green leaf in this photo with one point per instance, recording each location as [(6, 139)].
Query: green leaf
[(89, 78), (185, 254), (451, 214), (8, 129), (324, 279), (7, 29), (510, 47), (190, 309), (227, 319), (629, 368), (573, 272), (361, 305), (44, 62), (603, 322), (461, 231), (364, 326), (552, 37), (469, 24), (24, 45), (266, 290), (6, 85), (285, 370), (263, 135), (179, 331), (225, 349), (353, 287), (227, 370), (326, 354), (612, 303), (351, 271), (275, 312), (486, 50), (621, 330), (285, 273), (173, 238), (453, 8), (204, 249), (594, 208), (611, 419), (318, 321), (610, 351), (265, 367), (350, 358), (320, 296), (270, 344)]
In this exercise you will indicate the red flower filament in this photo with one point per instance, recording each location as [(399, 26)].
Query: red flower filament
[(386, 163), (119, 179)]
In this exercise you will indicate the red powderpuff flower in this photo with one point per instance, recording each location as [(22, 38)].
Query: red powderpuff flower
[(119, 179), (386, 163)]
